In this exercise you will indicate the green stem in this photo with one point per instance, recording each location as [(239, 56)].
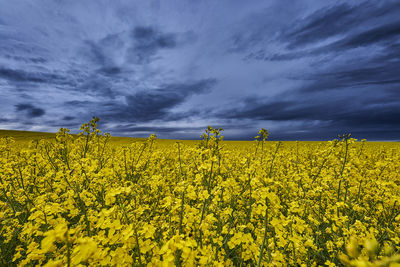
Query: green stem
[(264, 239)]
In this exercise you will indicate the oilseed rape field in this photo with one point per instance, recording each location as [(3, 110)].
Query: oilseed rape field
[(95, 200)]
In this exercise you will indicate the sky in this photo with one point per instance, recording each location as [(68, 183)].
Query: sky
[(304, 70)]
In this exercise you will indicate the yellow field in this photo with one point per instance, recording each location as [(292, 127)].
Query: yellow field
[(97, 200)]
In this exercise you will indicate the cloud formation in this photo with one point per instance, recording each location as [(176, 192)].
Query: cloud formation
[(30, 110), (147, 41), (156, 103)]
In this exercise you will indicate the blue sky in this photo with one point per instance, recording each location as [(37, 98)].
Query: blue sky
[(306, 70)]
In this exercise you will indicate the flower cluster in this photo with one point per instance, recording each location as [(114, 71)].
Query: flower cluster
[(87, 200)]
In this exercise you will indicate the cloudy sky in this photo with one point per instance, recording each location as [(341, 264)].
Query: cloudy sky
[(306, 70)]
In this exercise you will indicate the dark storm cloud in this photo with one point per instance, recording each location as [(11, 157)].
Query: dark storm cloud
[(110, 71), (155, 129), (391, 53), (352, 84), (77, 103), (322, 24), (30, 110), (334, 29), (148, 37), (96, 53), (157, 103), (102, 52), (365, 69), (344, 110), (354, 110), (111, 54), (26, 59), (387, 32), (344, 76), (97, 85), (72, 125), (147, 41), (358, 96), (340, 19), (105, 71), (141, 43), (187, 132), (23, 76), (385, 35), (68, 118)]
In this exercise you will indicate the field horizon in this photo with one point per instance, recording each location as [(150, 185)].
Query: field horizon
[(23, 135)]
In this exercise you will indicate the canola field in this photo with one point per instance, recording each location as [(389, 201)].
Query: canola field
[(92, 200)]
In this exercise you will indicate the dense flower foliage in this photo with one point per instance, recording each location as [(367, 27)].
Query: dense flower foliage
[(80, 200)]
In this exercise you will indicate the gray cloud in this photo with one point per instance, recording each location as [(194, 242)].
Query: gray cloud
[(147, 41), (323, 114), (332, 29), (30, 110), (68, 118), (153, 104), (23, 76), (379, 34), (341, 19)]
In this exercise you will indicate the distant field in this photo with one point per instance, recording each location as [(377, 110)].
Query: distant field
[(27, 136)]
